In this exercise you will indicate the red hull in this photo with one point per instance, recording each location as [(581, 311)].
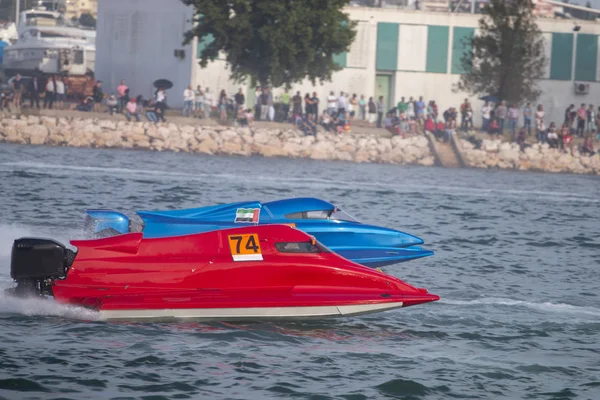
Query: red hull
[(236, 273)]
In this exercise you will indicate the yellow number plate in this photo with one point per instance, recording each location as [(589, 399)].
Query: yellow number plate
[(245, 247)]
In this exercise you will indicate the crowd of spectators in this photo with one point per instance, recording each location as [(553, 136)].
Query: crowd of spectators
[(335, 114)]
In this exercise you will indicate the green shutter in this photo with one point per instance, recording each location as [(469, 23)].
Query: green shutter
[(461, 44), (203, 42), (586, 58), (387, 47), (437, 49), (341, 59), (562, 56)]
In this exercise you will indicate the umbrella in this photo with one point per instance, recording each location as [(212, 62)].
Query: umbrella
[(490, 98), (163, 83)]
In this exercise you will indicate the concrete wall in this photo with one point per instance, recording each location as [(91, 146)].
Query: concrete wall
[(136, 40)]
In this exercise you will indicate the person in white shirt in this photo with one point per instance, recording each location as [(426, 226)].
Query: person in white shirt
[(342, 103), (486, 113), (208, 103), (410, 108), (60, 93), (50, 93), (332, 104), (161, 106), (188, 101)]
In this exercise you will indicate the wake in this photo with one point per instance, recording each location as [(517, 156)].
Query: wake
[(544, 306)]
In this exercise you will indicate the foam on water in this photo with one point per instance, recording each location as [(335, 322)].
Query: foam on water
[(543, 306), (42, 307)]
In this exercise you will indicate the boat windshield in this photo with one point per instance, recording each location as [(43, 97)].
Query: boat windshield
[(336, 215), (43, 19)]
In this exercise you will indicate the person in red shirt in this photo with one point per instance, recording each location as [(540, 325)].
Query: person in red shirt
[(121, 91), (429, 125)]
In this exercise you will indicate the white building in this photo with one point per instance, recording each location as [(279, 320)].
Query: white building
[(396, 53)]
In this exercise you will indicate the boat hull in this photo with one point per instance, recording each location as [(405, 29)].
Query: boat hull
[(248, 313)]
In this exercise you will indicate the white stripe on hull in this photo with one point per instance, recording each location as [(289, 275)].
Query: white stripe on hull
[(254, 313)]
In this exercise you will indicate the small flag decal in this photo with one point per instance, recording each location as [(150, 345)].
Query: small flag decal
[(247, 215)]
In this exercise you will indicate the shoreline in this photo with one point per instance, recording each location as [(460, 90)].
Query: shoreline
[(65, 128)]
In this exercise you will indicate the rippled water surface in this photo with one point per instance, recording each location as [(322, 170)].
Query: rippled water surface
[(517, 265)]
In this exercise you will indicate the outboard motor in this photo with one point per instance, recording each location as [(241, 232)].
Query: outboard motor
[(37, 263)]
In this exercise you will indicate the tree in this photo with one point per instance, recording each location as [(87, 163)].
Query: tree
[(507, 56), (88, 20), (274, 42)]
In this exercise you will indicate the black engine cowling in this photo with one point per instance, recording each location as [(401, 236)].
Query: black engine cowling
[(36, 263)]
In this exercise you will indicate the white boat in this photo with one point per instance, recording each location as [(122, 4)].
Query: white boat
[(49, 45)]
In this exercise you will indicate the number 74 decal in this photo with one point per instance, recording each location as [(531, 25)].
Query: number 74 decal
[(245, 247)]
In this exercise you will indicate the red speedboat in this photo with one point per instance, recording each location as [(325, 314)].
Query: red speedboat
[(258, 272)]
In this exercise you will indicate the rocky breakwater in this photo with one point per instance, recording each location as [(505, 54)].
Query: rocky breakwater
[(209, 139), (536, 157)]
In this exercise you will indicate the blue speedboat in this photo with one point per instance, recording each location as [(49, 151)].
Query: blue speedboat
[(370, 245)]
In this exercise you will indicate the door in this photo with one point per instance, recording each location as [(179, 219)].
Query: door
[(383, 87)]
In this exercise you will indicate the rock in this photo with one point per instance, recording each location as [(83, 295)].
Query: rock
[(37, 134)]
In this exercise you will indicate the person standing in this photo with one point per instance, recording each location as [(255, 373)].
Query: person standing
[(380, 111), (50, 93), (486, 113), (362, 107), (17, 88), (332, 104), (402, 106), (60, 93), (420, 106), (223, 105), (341, 103), (352, 106), (501, 113), (410, 108), (271, 110), (297, 105), (539, 121), (199, 102), (208, 103), (285, 104), (581, 118), (161, 104), (188, 101), (372, 110), (121, 89), (527, 115), (591, 119), (97, 95), (463, 115), (240, 100), (513, 118), (315, 106), (34, 92)]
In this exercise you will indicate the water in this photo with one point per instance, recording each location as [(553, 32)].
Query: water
[(517, 265)]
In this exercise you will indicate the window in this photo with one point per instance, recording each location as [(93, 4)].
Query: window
[(297, 247), (339, 215), (335, 215)]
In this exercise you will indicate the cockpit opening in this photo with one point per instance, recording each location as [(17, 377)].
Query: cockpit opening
[(335, 215)]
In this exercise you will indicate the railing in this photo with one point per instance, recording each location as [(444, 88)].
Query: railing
[(466, 6)]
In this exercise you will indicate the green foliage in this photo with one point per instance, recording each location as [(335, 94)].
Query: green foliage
[(274, 42), (508, 54), (87, 20)]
